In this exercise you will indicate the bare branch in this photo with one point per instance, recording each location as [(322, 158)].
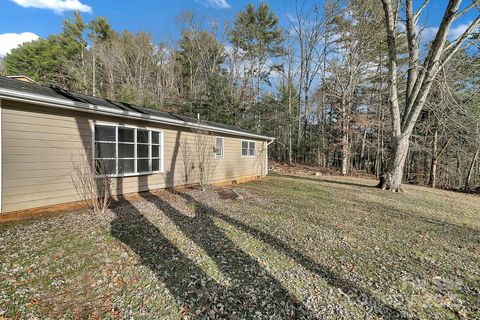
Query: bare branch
[(419, 11), (461, 13), (455, 45)]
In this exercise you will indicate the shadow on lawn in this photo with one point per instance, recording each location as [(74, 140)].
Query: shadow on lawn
[(253, 289), (345, 183)]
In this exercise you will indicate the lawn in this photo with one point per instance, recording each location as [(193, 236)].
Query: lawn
[(292, 248)]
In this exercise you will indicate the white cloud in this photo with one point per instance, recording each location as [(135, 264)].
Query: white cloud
[(219, 4), (9, 41), (428, 33), (457, 31), (58, 6)]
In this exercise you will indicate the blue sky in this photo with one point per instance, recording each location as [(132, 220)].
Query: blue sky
[(23, 20)]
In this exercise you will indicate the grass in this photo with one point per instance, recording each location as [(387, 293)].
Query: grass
[(294, 247)]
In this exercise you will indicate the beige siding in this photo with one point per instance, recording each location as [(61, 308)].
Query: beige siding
[(40, 143)]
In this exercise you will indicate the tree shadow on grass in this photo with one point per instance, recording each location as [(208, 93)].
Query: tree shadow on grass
[(345, 183), (202, 231), (253, 291)]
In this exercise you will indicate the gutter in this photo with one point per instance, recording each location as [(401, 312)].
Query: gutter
[(96, 109)]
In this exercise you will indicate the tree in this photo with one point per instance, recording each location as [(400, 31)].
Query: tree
[(257, 34), (201, 76), (100, 31), (420, 76)]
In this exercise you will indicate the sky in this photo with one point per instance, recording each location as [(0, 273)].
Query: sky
[(26, 20)]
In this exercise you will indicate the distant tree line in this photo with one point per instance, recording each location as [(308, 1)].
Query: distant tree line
[(343, 85)]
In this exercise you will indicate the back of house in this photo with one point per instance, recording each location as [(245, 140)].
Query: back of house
[(46, 132)]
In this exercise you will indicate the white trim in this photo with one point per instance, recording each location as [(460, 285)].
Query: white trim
[(133, 174), (96, 109), (1, 157), (223, 147)]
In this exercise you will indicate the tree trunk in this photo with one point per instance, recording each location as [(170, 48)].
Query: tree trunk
[(392, 178), (470, 170), (433, 165)]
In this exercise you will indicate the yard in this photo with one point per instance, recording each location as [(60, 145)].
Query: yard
[(293, 247)]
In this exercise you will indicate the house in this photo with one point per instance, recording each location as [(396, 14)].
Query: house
[(45, 130)]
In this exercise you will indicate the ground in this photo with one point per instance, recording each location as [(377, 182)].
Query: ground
[(294, 247)]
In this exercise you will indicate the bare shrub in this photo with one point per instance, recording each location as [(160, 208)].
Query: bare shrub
[(188, 162), (92, 182), (204, 155)]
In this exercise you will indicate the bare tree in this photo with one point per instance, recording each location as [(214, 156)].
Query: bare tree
[(92, 182), (420, 76)]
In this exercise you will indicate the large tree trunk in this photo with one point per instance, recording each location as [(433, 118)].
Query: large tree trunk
[(392, 178), (470, 171), (433, 165)]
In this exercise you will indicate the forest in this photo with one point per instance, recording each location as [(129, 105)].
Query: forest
[(349, 86)]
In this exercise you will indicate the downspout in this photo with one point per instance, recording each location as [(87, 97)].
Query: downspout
[(266, 155), (1, 159)]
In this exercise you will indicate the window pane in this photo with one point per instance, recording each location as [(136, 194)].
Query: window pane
[(244, 144), (142, 165), (126, 150), (104, 150), (219, 143), (155, 165), (126, 166), (142, 136), (126, 135), (105, 166), (142, 151), (244, 152), (252, 149), (104, 133), (155, 137), (155, 151)]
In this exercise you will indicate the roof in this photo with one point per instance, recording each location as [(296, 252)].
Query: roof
[(57, 97)]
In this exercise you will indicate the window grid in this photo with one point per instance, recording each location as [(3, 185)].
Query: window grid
[(117, 157), (248, 148)]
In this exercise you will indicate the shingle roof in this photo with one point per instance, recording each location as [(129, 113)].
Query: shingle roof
[(54, 92)]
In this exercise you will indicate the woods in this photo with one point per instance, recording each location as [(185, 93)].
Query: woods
[(348, 86)]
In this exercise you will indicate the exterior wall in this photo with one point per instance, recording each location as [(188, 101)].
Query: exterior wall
[(40, 144)]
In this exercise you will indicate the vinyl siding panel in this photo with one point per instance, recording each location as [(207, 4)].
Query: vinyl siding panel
[(40, 144)]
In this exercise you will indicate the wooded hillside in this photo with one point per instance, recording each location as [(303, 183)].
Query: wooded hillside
[(348, 85)]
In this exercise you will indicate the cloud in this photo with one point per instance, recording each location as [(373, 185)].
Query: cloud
[(57, 6), (9, 41), (457, 31), (429, 33), (219, 4)]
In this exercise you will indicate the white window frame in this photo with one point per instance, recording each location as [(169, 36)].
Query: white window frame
[(248, 148), (161, 156), (223, 148)]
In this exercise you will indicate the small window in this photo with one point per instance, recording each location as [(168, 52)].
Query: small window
[(219, 147), (244, 148), (249, 148)]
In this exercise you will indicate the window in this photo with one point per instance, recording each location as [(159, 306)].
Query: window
[(249, 148), (219, 147), (127, 151)]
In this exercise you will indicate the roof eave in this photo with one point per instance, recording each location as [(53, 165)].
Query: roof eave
[(96, 109)]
